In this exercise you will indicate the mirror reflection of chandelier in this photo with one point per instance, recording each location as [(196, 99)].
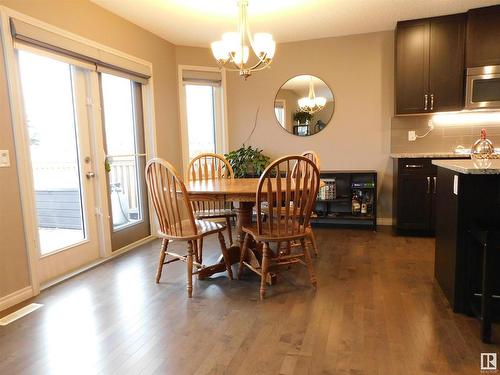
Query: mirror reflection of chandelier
[(234, 46), (312, 103)]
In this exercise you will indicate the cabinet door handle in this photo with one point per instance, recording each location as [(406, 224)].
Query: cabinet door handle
[(426, 99), (428, 185), (432, 102), (414, 166), (435, 184)]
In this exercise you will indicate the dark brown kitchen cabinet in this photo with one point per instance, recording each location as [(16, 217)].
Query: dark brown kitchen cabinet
[(430, 64), (483, 37), (414, 189), (412, 65)]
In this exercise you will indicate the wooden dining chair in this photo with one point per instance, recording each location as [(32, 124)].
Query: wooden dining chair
[(311, 155), (176, 219), (289, 198), (209, 166)]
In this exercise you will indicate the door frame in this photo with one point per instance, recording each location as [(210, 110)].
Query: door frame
[(22, 153), (182, 111)]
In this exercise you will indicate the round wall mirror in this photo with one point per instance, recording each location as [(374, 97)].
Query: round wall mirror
[(304, 105)]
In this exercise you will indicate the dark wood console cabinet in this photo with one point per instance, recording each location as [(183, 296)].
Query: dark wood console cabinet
[(334, 204)]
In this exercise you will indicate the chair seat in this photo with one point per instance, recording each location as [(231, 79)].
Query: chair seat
[(203, 227), (228, 212), (284, 235)]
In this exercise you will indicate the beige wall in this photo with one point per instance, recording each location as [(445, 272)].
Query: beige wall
[(88, 20), (359, 70), (13, 258)]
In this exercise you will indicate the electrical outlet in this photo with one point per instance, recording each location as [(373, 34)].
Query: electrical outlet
[(4, 159), (412, 136)]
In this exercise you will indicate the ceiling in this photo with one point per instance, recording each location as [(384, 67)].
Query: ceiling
[(300, 85), (199, 22)]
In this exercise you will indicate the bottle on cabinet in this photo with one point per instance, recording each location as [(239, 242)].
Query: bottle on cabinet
[(356, 202)]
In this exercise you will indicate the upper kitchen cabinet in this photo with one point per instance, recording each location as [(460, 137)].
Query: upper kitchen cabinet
[(430, 64), (412, 65), (483, 37)]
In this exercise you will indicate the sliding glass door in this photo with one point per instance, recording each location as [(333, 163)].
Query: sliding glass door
[(55, 115), (125, 159)]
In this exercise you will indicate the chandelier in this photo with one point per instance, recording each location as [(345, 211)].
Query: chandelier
[(312, 103), (234, 48)]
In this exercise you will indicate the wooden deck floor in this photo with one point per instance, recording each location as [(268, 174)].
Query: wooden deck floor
[(377, 311)]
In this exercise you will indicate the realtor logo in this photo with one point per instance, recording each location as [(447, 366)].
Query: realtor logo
[(489, 362)]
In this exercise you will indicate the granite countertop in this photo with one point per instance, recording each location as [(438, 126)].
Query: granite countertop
[(475, 166), (416, 155)]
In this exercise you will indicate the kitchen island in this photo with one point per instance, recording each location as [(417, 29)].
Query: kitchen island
[(467, 192)]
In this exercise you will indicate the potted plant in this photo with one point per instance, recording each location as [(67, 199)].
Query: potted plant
[(302, 117), (247, 162)]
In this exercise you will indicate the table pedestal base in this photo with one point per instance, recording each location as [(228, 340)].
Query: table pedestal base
[(234, 258)]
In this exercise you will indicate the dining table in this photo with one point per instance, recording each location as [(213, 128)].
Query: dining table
[(242, 192)]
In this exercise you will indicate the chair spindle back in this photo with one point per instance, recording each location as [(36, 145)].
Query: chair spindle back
[(290, 196), (209, 166), (311, 155), (170, 198)]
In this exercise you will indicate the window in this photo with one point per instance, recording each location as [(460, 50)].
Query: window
[(123, 124), (201, 96), (279, 109), (50, 116), (200, 111)]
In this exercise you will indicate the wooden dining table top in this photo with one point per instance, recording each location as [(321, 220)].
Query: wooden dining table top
[(238, 189)]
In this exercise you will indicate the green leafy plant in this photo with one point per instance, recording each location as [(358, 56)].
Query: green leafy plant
[(302, 117), (247, 162)]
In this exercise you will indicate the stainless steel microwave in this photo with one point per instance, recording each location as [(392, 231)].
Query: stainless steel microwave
[(483, 87)]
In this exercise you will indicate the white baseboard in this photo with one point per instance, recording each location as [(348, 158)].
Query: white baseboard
[(16, 297), (384, 221)]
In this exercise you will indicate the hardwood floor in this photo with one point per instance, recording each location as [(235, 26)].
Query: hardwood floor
[(377, 310)]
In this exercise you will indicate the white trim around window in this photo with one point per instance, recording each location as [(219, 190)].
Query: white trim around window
[(222, 134)]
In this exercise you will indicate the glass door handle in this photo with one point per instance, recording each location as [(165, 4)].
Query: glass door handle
[(90, 175)]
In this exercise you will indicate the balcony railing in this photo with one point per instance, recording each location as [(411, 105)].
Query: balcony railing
[(57, 180)]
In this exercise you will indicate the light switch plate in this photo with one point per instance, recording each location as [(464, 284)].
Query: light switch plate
[(455, 184), (4, 159)]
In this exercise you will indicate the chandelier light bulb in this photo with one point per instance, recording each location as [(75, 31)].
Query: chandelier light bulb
[(234, 47), (232, 41), (237, 55), (220, 52), (312, 103)]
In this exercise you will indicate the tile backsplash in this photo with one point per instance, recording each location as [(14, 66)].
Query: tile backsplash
[(444, 138)]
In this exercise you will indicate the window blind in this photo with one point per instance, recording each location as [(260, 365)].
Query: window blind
[(200, 77), (104, 61)]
